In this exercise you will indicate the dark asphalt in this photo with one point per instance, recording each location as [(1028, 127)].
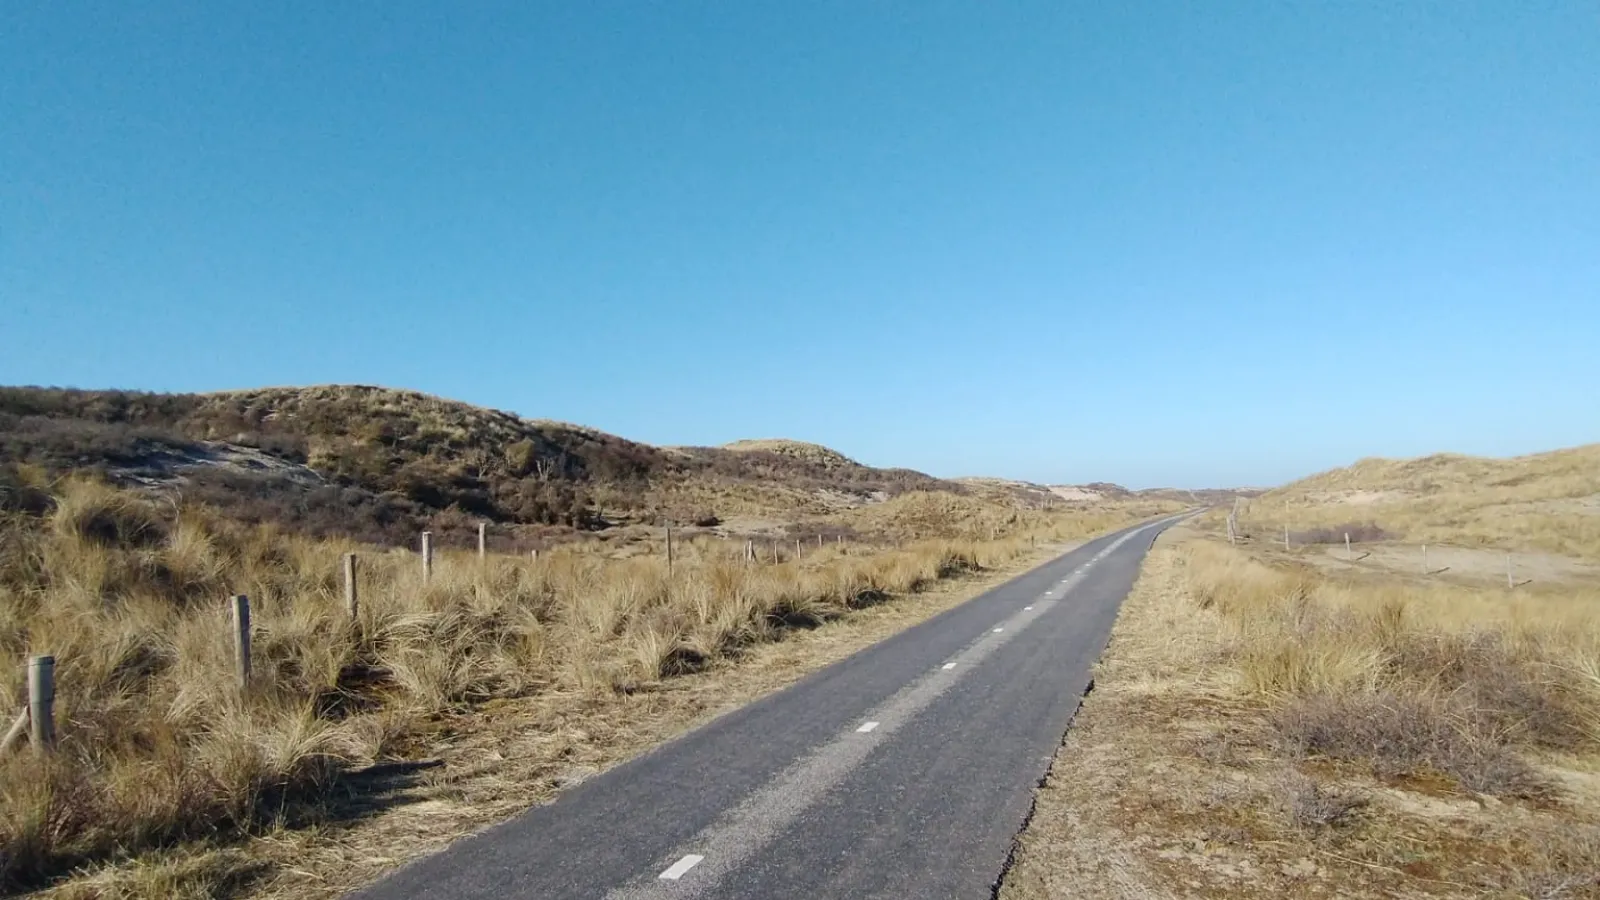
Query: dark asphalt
[(786, 798)]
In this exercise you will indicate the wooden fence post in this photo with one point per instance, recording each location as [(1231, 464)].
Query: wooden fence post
[(1347, 553), (241, 638), (1424, 559), (350, 600), (749, 551), (797, 550), (1510, 583), (534, 554), (1285, 537), (427, 555), (42, 702), (483, 541), (775, 556), (669, 551)]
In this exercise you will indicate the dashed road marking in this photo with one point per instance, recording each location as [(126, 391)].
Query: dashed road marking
[(948, 666), (866, 727), (760, 818), (681, 867)]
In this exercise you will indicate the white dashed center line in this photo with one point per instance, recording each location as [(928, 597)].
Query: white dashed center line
[(759, 819), (681, 866)]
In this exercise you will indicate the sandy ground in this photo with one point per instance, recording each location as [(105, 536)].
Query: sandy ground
[(1459, 564)]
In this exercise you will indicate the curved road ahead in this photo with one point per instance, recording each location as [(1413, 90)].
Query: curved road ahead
[(905, 770)]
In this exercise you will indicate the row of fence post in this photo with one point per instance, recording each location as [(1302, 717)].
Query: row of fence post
[(750, 555), (1349, 552), (37, 719)]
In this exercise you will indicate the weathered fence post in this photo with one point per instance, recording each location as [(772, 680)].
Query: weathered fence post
[(669, 551), (1424, 559), (42, 702), (775, 557), (427, 555), (1347, 553), (1510, 583), (350, 599), (1285, 537), (534, 554), (749, 551), (797, 550), (241, 638), (483, 541), (819, 542)]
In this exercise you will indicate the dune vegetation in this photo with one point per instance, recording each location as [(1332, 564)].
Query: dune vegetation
[(1273, 721), (1546, 501)]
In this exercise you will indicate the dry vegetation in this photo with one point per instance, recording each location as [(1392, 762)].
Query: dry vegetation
[(160, 753), (377, 464), (1265, 726), (1547, 501)]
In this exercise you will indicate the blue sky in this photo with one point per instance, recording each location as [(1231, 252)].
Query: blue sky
[(1156, 243)]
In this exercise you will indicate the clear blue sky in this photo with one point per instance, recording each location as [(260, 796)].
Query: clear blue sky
[(1157, 243)]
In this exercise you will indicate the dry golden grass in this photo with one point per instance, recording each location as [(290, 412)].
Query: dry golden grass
[(159, 750), (815, 453), (1262, 728), (1546, 501)]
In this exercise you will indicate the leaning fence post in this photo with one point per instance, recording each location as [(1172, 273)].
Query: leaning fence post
[(350, 601), (797, 550), (42, 702), (19, 727), (241, 638), (427, 555), (483, 541)]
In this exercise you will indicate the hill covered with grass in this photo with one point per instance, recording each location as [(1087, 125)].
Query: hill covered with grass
[(1548, 501), (377, 463)]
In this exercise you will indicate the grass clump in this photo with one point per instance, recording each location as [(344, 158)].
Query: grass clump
[(1407, 681)]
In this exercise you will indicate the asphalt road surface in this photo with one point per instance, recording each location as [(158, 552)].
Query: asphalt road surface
[(903, 771)]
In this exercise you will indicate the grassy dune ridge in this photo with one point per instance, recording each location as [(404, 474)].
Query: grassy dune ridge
[(1546, 501), (159, 748)]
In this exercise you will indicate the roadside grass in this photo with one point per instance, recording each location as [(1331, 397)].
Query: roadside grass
[(1456, 681), (160, 750), (1262, 728)]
